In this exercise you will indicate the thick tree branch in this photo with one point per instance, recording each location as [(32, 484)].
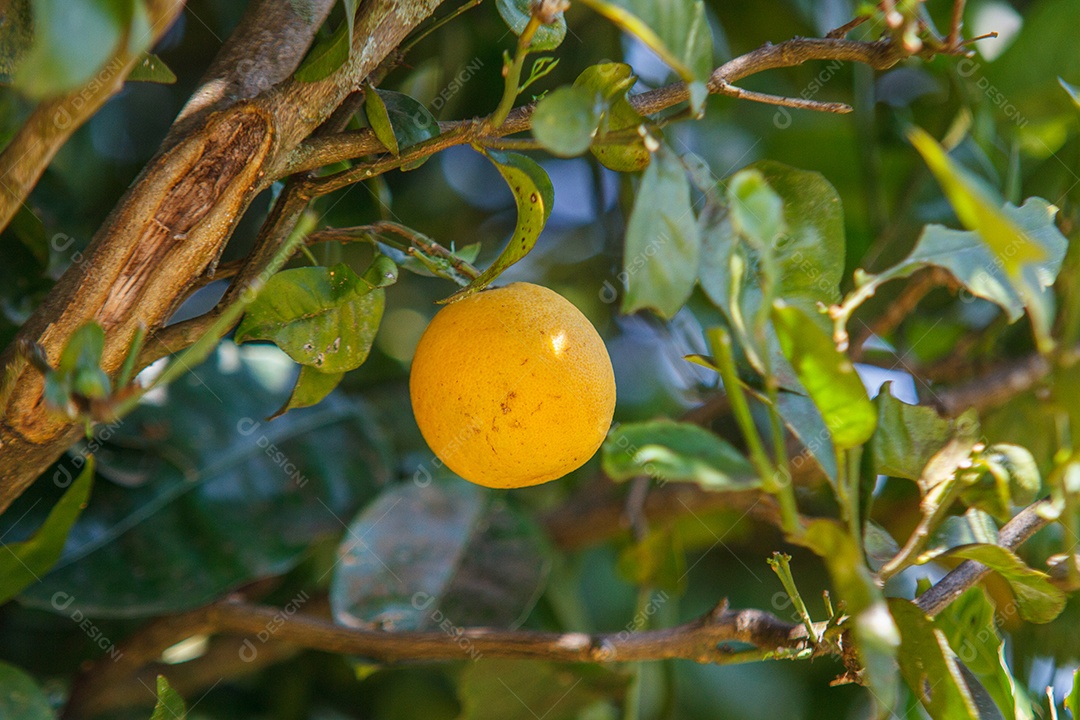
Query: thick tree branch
[(52, 122), (170, 228)]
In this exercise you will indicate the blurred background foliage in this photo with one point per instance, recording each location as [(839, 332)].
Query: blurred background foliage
[(192, 503)]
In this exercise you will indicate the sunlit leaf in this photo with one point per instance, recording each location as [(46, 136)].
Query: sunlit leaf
[(977, 209), (534, 196), (828, 376), (662, 240), (151, 68), (323, 317), (676, 30), (170, 706), (673, 451), (907, 436)]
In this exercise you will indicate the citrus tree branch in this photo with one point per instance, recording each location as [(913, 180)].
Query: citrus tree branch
[(53, 121), (172, 224), (880, 55), (1014, 534), (702, 640)]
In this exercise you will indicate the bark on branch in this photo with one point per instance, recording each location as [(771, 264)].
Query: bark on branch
[(172, 224)]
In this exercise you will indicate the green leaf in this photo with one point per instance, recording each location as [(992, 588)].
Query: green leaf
[(502, 689), (535, 197), (807, 261), (662, 240), (658, 561), (1037, 600), (907, 436), (967, 257), (26, 562), (929, 665), (1003, 476), (170, 706), (476, 561), (350, 7), (310, 389), (828, 375), (970, 624), (20, 696), (676, 30), (675, 451), (151, 68), (874, 631), (974, 526), (412, 123), (326, 56), (516, 14), (204, 497), (72, 43), (611, 81), (323, 317), (565, 120), (379, 119), (78, 372), (977, 209)]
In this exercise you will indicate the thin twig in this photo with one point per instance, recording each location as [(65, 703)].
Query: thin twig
[(953, 40), (1015, 533)]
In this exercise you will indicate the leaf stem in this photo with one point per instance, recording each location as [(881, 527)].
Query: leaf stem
[(785, 494), (781, 565), (513, 73)]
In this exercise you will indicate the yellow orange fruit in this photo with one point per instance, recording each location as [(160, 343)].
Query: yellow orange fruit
[(512, 387)]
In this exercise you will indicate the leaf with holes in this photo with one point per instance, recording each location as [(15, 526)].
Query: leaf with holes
[(535, 197), (323, 317), (516, 14), (676, 451), (477, 561)]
